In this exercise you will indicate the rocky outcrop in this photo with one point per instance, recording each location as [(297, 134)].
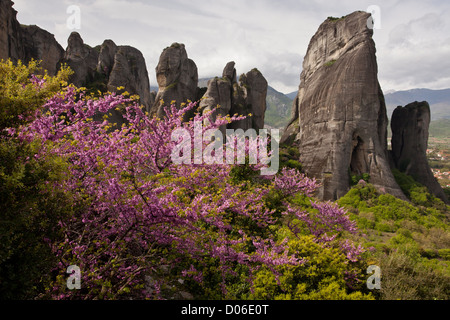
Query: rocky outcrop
[(243, 98), (108, 67), (339, 116), (20, 42), (177, 78), (104, 67), (10, 33), (129, 70), (41, 45), (254, 88), (218, 93), (409, 126), (82, 59)]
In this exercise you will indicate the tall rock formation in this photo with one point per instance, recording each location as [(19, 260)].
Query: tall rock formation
[(81, 58), (409, 126), (10, 33), (105, 67), (19, 42), (243, 98), (177, 78), (254, 86), (339, 116), (40, 44), (108, 66)]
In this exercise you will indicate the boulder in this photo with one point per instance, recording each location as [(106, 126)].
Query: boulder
[(409, 127), (339, 116)]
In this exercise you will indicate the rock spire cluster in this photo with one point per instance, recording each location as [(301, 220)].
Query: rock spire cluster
[(339, 119)]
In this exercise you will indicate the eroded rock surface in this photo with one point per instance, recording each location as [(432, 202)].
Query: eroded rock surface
[(410, 126), (177, 78), (246, 97), (339, 116), (20, 42)]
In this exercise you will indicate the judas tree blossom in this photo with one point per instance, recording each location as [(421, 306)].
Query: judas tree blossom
[(136, 210)]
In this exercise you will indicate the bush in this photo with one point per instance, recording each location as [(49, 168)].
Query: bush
[(29, 216), (23, 90), (405, 278), (325, 275), (29, 209)]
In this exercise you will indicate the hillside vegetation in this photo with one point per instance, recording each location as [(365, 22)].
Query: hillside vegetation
[(75, 192)]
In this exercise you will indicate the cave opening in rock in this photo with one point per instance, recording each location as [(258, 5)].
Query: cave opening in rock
[(358, 164)]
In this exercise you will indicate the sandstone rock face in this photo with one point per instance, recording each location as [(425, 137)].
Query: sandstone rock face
[(41, 45), (106, 57), (255, 91), (409, 126), (339, 116), (177, 77), (218, 93), (243, 98), (24, 43), (10, 33), (115, 66), (129, 70), (81, 58)]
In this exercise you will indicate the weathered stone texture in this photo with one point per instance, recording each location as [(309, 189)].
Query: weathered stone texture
[(409, 127), (339, 116), (177, 78)]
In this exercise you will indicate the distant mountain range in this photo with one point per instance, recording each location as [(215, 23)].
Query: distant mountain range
[(439, 101)]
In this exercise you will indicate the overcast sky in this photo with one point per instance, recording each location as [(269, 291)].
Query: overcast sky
[(413, 43)]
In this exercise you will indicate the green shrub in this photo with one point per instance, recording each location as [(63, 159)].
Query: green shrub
[(322, 276), (29, 212), (444, 254), (405, 278), (29, 209)]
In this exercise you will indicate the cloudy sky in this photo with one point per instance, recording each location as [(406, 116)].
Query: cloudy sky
[(413, 41)]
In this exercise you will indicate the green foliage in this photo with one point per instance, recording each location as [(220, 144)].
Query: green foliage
[(289, 157), (408, 277), (417, 193), (355, 178), (321, 277), (29, 212), (447, 192), (387, 208), (97, 83), (411, 239), (329, 63), (19, 96), (334, 19), (29, 208)]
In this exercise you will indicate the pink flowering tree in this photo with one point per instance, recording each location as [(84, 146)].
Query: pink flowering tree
[(143, 224)]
